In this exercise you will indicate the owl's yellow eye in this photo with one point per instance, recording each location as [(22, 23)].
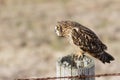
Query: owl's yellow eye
[(58, 28)]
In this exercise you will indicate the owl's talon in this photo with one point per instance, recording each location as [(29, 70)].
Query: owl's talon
[(79, 56)]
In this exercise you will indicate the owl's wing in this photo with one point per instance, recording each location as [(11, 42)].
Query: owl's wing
[(87, 41)]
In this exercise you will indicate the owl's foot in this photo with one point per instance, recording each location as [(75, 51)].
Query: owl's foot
[(80, 56)]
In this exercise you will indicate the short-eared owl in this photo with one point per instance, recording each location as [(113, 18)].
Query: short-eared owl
[(84, 39)]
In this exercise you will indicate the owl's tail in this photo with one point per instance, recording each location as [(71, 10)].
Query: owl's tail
[(104, 57)]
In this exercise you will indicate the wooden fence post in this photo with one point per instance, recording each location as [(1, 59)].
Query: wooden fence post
[(72, 65)]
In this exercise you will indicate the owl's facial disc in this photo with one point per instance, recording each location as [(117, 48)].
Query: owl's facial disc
[(58, 31)]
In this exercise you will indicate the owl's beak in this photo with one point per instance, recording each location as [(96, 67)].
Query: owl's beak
[(58, 34)]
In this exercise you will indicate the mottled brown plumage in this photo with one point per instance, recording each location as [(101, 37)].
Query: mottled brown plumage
[(84, 39)]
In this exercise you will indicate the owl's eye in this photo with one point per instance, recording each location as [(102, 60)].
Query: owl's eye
[(58, 28)]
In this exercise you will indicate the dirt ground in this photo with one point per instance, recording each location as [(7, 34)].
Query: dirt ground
[(29, 46)]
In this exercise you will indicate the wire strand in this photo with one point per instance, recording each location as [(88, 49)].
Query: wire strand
[(70, 77)]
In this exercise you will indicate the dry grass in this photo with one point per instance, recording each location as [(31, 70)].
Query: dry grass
[(29, 46)]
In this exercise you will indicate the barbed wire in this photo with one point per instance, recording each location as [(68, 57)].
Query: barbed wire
[(70, 77)]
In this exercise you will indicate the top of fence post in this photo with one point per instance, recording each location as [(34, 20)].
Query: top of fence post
[(72, 65)]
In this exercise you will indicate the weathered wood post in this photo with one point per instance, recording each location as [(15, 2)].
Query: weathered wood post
[(73, 65)]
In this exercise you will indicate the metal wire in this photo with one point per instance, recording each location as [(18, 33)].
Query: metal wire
[(70, 77)]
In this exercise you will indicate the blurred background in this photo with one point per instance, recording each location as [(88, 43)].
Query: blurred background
[(29, 46)]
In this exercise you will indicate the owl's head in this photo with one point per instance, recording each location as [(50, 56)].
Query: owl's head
[(63, 28)]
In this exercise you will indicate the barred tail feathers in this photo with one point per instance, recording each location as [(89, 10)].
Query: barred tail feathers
[(104, 57)]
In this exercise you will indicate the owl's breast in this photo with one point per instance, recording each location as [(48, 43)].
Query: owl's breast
[(70, 40), (77, 48)]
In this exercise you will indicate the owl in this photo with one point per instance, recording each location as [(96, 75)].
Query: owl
[(83, 39)]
